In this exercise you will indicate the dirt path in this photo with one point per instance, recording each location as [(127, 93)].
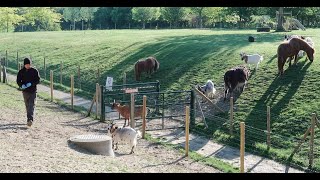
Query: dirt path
[(203, 146), (44, 147)]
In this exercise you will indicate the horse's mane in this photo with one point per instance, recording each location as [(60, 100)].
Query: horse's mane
[(156, 67), (302, 41)]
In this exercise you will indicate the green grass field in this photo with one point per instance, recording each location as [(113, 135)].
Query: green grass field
[(189, 57)]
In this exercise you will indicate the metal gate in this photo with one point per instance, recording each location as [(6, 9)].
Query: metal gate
[(164, 109)]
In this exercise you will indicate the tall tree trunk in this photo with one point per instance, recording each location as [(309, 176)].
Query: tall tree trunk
[(74, 24), (129, 25), (170, 25), (143, 25), (7, 25), (280, 20), (200, 21), (82, 24), (115, 25)]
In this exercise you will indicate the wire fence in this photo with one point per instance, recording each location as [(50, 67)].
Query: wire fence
[(165, 107), (282, 144)]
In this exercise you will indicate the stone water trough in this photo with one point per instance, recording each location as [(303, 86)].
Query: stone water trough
[(97, 144)]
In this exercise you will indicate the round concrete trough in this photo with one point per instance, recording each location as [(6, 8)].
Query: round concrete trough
[(97, 144)]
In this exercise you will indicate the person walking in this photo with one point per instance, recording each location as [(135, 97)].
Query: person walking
[(27, 80)]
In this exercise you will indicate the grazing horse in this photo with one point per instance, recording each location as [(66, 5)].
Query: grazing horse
[(291, 48), (149, 65)]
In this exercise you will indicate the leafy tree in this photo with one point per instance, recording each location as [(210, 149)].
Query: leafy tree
[(42, 18), (87, 14), (244, 14), (102, 17), (199, 12), (213, 14), (142, 14), (9, 18), (173, 14), (72, 14)]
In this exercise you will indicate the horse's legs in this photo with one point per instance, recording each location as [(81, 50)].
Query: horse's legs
[(279, 65), (225, 93), (290, 59), (295, 59), (149, 73)]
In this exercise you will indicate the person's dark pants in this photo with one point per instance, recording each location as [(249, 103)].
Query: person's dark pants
[(30, 100)]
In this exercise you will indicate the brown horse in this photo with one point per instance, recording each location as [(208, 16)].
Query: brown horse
[(291, 48), (148, 65)]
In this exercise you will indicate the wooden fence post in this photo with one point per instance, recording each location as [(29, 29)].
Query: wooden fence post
[(124, 82), (72, 90), (124, 87), (79, 76), (242, 146), (231, 116), (162, 125), (45, 68), (311, 155), (102, 106), (97, 99), (6, 61), (18, 66), (51, 84), (5, 78), (0, 71), (132, 107), (144, 109), (61, 66), (268, 128), (187, 130), (98, 75)]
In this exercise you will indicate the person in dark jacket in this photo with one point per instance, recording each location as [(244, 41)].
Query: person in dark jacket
[(27, 79)]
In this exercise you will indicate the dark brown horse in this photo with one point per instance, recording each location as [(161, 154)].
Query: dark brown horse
[(148, 65), (291, 49)]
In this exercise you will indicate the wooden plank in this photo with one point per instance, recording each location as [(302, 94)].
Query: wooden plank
[(302, 140), (93, 101), (203, 118), (187, 130), (268, 127), (242, 146), (231, 116), (72, 91), (132, 120), (207, 99), (51, 84), (311, 155), (144, 108)]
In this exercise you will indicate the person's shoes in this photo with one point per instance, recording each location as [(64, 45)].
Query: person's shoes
[(29, 123)]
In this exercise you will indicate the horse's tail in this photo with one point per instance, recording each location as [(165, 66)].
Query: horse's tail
[(136, 71), (156, 66)]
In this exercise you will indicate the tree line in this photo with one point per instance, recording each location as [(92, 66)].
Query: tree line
[(20, 19)]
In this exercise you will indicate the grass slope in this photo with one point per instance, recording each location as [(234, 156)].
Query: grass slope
[(188, 57)]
